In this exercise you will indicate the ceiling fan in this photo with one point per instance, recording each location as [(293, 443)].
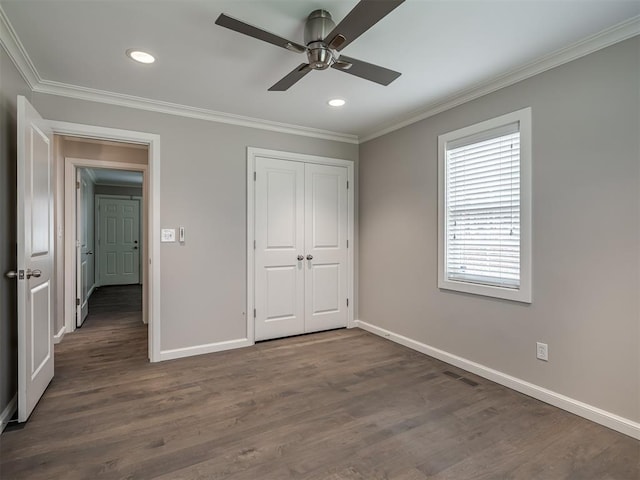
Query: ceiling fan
[(324, 40)]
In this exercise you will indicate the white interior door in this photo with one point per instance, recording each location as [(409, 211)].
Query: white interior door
[(82, 249), (35, 258), (279, 248), (301, 220), (119, 241), (325, 247)]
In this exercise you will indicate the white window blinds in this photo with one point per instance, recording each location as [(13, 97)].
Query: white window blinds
[(483, 208)]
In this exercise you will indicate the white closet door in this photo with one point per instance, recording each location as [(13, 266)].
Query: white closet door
[(325, 247), (279, 227)]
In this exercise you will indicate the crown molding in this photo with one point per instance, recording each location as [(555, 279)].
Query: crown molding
[(612, 35), (101, 96), (16, 51)]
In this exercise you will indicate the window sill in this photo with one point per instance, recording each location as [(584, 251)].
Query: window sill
[(522, 295)]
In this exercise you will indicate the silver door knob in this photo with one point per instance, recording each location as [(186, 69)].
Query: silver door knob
[(300, 258), (11, 274), (309, 257), (135, 248), (89, 253), (33, 273)]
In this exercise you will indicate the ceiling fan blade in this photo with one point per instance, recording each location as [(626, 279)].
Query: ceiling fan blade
[(368, 71), (255, 32), (291, 78), (363, 16)]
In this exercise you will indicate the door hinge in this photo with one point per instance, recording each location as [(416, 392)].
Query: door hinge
[(254, 313), (347, 302), (347, 243), (347, 184), (78, 185), (77, 302), (255, 175), (254, 244)]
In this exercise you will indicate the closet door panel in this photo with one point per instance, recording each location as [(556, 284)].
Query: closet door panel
[(279, 227), (325, 247)]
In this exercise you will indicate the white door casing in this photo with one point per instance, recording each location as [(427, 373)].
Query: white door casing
[(302, 270), (119, 241), (279, 242), (35, 227)]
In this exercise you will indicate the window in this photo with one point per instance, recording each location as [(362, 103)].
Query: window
[(484, 208)]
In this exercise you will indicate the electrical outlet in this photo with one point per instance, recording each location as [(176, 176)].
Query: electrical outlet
[(542, 351)]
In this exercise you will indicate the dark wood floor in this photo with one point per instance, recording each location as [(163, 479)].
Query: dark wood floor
[(115, 299), (336, 405)]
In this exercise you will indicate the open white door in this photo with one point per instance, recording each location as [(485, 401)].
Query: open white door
[(35, 258), (82, 250)]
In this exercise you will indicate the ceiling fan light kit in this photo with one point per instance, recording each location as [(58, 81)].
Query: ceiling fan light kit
[(324, 40)]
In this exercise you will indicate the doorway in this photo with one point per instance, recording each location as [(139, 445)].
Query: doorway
[(87, 183), (98, 140), (109, 231)]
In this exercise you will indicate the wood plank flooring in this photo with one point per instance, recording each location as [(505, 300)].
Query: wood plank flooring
[(339, 405)]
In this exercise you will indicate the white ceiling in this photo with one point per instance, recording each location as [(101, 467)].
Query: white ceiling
[(442, 48)]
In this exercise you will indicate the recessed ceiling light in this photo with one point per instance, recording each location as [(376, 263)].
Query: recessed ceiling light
[(140, 56), (336, 102)]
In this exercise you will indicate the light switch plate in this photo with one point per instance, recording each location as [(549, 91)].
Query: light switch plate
[(168, 235)]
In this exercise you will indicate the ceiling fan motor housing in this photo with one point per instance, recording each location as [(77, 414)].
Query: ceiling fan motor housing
[(318, 26)]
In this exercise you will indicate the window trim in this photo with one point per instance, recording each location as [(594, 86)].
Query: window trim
[(524, 293)]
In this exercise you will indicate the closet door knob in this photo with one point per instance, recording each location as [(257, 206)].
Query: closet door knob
[(300, 258), (309, 257)]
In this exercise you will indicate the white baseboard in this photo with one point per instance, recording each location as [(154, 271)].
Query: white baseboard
[(57, 338), (6, 414), (202, 349), (595, 414)]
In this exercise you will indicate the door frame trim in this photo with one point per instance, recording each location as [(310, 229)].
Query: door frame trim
[(152, 211), (252, 153)]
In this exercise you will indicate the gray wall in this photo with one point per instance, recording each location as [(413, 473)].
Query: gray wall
[(11, 85), (586, 236), (203, 172)]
